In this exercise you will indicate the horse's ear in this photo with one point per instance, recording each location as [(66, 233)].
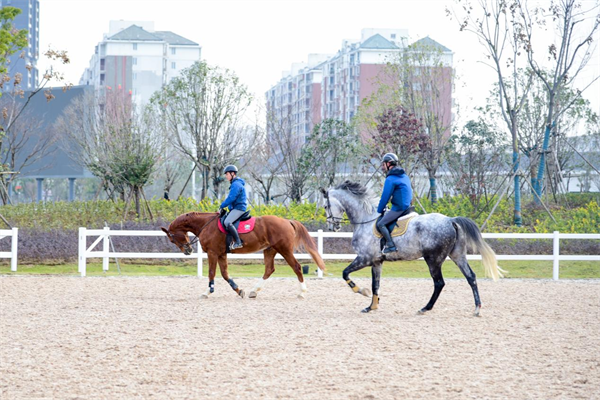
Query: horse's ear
[(323, 191), (165, 230)]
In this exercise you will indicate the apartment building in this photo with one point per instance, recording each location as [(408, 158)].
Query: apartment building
[(334, 86), (135, 58), (29, 19)]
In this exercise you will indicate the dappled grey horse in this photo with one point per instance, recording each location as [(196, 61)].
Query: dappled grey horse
[(431, 236)]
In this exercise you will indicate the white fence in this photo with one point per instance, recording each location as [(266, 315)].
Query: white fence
[(12, 254), (104, 235)]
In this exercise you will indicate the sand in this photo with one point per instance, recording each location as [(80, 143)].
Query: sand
[(153, 338)]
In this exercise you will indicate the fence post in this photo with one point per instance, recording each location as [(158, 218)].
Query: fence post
[(555, 253), (14, 246), (320, 248), (199, 252), (105, 249), (82, 250)]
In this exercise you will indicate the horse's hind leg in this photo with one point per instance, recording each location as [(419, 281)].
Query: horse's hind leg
[(288, 255), (269, 255), (435, 269), (225, 275), (356, 265), (465, 268)]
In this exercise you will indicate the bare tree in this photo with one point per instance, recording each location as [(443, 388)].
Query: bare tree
[(477, 162), (423, 78), (568, 55), (499, 29), (202, 109), (116, 143)]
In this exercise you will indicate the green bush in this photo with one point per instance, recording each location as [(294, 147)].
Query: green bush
[(578, 216)]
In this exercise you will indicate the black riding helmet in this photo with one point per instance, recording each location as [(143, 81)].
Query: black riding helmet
[(391, 158), (230, 168)]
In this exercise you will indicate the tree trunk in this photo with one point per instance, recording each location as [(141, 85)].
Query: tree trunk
[(542, 165), (518, 219)]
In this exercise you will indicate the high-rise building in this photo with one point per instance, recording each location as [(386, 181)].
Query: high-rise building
[(25, 61), (339, 83), (295, 102), (135, 58)]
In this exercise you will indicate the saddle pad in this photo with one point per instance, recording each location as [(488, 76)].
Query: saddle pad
[(400, 228), (244, 226)]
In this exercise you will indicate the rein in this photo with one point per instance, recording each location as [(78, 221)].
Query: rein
[(197, 237)]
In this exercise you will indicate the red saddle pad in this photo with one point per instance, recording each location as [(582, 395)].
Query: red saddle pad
[(243, 227)]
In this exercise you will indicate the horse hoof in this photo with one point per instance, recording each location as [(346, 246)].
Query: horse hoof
[(365, 292), (476, 313), (422, 311), (252, 295), (242, 293), (203, 296), (366, 310), (301, 296)]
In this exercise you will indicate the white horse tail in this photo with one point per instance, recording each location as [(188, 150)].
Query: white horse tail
[(475, 240)]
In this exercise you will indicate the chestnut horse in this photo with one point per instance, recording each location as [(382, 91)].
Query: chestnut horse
[(271, 235)]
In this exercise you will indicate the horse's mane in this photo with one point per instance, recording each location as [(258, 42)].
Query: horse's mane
[(184, 218), (361, 192)]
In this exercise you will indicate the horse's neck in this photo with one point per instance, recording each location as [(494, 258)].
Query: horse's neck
[(195, 222), (355, 210)]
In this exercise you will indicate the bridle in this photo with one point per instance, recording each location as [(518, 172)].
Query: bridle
[(338, 220), (197, 236)]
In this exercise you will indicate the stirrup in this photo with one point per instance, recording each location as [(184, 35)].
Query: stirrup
[(389, 249), (236, 245)]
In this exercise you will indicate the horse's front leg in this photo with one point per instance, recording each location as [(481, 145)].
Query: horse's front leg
[(225, 274), (375, 278), (212, 270), (358, 264)]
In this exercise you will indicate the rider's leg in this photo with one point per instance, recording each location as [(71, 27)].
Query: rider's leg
[(382, 226), (231, 218)]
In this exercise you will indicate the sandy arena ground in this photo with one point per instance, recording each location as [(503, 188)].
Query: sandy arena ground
[(153, 338)]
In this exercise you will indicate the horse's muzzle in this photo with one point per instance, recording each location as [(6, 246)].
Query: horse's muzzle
[(187, 251)]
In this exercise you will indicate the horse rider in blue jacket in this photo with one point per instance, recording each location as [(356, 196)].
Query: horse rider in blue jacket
[(237, 203), (397, 187)]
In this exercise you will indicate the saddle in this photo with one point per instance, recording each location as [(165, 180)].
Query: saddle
[(399, 226), (243, 224), (247, 226)]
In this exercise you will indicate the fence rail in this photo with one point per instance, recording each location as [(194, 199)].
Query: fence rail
[(103, 235), (12, 254)]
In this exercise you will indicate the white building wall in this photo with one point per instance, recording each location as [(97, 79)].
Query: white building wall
[(153, 63)]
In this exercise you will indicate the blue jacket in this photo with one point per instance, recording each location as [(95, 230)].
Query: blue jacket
[(236, 200), (397, 187)]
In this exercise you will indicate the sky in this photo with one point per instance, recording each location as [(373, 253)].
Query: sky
[(259, 40)]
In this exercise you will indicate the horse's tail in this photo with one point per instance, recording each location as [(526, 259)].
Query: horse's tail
[(475, 240), (304, 239)]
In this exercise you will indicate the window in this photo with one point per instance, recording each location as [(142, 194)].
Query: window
[(102, 61), (173, 51), (393, 36), (173, 65), (134, 61), (135, 46)]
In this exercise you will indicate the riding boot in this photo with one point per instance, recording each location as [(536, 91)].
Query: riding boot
[(389, 247), (236, 237)]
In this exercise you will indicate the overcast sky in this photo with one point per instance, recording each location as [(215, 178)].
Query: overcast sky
[(261, 39)]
